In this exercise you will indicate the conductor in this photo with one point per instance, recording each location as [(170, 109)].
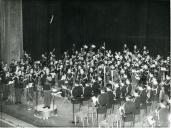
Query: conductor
[(46, 83)]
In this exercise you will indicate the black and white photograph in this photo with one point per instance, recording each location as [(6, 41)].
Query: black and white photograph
[(85, 64)]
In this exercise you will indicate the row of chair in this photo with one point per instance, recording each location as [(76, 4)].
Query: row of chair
[(89, 111), (157, 118)]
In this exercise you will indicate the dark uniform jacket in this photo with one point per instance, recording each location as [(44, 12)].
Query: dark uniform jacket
[(18, 83), (118, 93), (96, 88), (143, 98), (77, 92), (46, 83), (110, 99), (129, 107), (124, 91), (87, 92), (129, 89), (103, 99)]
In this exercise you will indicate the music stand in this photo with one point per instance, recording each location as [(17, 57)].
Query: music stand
[(65, 91)]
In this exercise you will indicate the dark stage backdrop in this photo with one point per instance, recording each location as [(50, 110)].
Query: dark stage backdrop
[(116, 22)]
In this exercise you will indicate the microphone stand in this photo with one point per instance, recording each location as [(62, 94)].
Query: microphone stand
[(73, 121)]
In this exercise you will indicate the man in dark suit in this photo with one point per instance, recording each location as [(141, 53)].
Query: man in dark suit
[(103, 97), (96, 88), (129, 109), (129, 87), (143, 97), (46, 83), (18, 85), (143, 102), (118, 95), (87, 92), (77, 91), (123, 91), (110, 97), (102, 101)]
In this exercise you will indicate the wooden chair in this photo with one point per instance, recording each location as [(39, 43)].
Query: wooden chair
[(150, 120), (92, 110), (112, 120), (102, 110), (82, 115), (163, 117)]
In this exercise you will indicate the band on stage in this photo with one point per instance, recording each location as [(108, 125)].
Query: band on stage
[(90, 72)]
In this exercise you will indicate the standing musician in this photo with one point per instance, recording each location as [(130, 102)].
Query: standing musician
[(129, 87), (18, 85), (136, 51), (103, 102), (76, 94), (77, 91), (87, 92), (128, 109), (31, 87), (111, 96), (46, 83), (143, 96), (123, 91), (5, 78)]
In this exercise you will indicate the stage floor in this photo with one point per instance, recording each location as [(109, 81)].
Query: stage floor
[(20, 111), (64, 118), (3, 124)]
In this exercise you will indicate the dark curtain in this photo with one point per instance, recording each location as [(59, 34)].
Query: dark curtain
[(115, 22), (11, 30), (35, 27)]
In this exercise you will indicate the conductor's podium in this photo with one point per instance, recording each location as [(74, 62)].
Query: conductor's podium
[(45, 113)]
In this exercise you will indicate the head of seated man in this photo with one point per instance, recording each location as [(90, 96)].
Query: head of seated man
[(108, 87)]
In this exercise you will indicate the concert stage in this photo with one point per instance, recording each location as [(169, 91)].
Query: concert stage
[(2, 124), (64, 116), (63, 119)]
